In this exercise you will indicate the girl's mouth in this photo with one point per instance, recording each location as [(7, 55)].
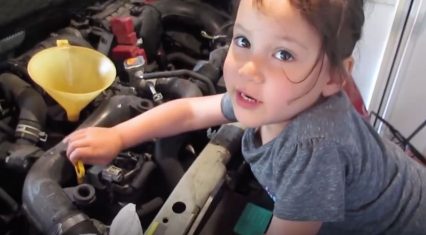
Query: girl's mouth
[(245, 101), (247, 98)]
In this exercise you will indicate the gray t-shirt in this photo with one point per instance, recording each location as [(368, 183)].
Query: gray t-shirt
[(330, 165)]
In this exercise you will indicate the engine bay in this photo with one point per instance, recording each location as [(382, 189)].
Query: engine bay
[(161, 50)]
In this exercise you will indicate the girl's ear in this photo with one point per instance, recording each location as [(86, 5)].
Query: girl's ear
[(337, 79), (348, 64), (331, 87)]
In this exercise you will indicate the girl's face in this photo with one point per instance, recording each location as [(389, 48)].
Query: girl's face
[(275, 67)]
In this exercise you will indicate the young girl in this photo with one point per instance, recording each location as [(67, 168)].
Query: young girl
[(325, 167)]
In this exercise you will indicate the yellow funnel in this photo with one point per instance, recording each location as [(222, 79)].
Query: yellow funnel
[(71, 75)]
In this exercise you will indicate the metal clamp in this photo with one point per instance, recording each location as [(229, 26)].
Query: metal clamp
[(32, 131), (212, 37)]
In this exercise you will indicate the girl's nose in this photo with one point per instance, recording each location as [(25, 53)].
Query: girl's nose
[(250, 71)]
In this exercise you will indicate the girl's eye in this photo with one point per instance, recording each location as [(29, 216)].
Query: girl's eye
[(283, 55), (242, 41)]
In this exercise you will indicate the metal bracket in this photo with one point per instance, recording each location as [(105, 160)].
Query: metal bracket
[(180, 211)]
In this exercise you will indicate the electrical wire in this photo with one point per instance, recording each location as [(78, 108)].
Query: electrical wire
[(403, 142)]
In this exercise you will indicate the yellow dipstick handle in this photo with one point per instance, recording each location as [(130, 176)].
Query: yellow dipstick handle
[(80, 171), (62, 43), (152, 228)]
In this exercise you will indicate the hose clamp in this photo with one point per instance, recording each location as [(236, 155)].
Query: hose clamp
[(23, 130), (64, 226)]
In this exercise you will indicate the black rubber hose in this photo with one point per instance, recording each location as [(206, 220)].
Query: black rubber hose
[(11, 204), (174, 88), (153, 17), (140, 179), (44, 201), (183, 72), (167, 149), (11, 42), (135, 188), (6, 129), (150, 30), (115, 110), (181, 57), (32, 107), (167, 158), (4, 65), (150, 206), (193, 13)]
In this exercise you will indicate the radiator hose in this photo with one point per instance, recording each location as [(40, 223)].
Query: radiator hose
[(44, 201)]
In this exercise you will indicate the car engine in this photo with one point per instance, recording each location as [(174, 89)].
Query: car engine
[(161, 50)]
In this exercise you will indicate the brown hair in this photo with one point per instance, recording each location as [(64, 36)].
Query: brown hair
[(339, 22)]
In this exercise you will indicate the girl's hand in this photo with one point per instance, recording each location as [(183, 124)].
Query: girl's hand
[(93, 145)]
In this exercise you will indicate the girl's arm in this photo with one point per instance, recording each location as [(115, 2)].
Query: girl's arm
[(172, 118), (97, 145), (287, 227)]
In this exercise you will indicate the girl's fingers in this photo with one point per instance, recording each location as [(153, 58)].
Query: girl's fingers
[(77, 145), (85, 145), (77, 154), (75, 135), (84, 154)]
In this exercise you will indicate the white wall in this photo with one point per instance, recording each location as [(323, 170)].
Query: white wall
[(405, 105), (369, 53), (386, 56)]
